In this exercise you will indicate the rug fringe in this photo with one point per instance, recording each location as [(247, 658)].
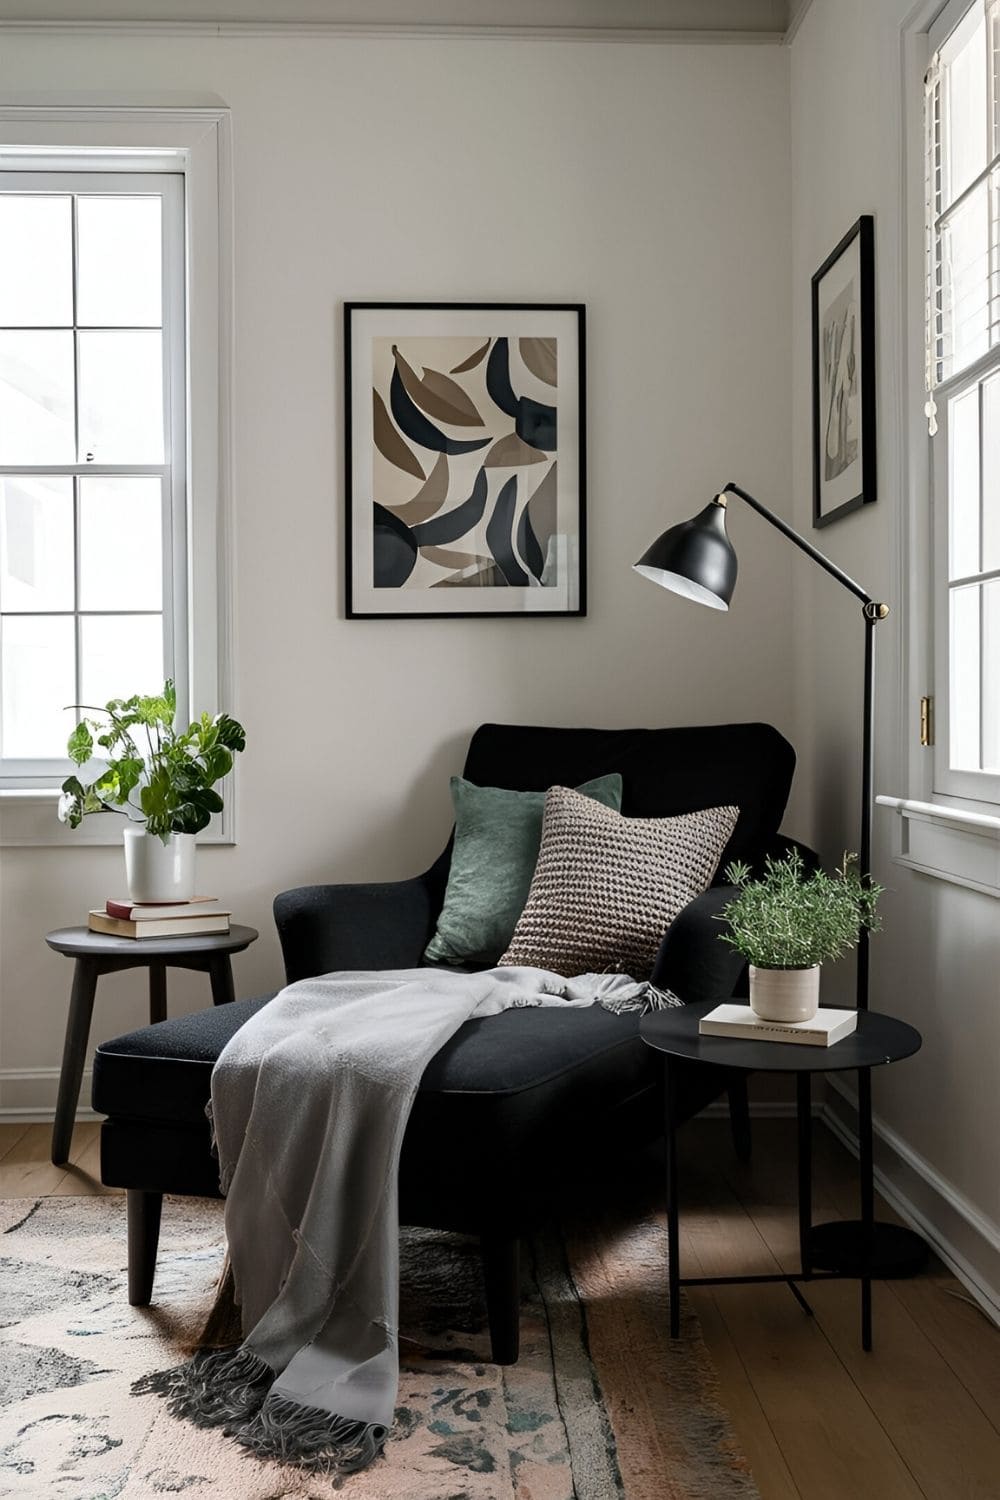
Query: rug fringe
[(310, 1437)]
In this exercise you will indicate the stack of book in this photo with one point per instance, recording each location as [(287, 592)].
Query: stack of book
[(199, 917)]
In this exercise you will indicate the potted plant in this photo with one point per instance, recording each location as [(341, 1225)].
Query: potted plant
[(161, 777), (787, 923)]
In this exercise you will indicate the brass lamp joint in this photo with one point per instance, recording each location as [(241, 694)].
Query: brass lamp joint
[(873, 611), (721, 499)]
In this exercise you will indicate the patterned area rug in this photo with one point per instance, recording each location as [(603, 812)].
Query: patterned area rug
[(601, 1404)]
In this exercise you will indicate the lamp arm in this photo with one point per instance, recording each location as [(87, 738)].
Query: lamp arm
[(802, 544)]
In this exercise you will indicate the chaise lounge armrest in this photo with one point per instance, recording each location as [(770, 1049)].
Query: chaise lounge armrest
[(693, 961), (324, 928)]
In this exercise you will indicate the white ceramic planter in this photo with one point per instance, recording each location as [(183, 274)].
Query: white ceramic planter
[(158, 871), (784, 994)]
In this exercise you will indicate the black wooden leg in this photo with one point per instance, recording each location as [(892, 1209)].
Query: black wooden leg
[(739, 1117), (220, 972), (143, 1238), (81, 1008), (502, 1275), (157, 991), (867, 1173), (673, 1237), (804, 1111)]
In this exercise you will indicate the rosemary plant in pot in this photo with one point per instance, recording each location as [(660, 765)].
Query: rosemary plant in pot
[(160, 776), (788, 923)]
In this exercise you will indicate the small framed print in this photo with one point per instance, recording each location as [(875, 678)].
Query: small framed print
[(466, 463), (843, 353)]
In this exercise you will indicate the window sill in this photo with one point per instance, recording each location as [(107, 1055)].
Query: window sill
[(948, 843), (28, 821)]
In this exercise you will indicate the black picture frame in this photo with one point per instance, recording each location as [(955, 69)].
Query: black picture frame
[(843, 377), (379, 543)]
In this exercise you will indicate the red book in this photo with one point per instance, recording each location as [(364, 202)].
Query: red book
[(154, 911)]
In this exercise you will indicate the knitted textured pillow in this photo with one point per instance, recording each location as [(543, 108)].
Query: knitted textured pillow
[(606, 888)]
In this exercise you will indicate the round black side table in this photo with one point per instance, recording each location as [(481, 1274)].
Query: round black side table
[(878, 1040), (97, 953)]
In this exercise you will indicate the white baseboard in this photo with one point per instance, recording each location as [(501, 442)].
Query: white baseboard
[(28, 1096)]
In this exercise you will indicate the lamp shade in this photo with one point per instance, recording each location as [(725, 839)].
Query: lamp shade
[(695, 558)]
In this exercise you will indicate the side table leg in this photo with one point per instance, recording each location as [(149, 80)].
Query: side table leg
[(157, 991), (220, 972), (803, 1091), (673, 1210), (81, 1009), (867, 1174)]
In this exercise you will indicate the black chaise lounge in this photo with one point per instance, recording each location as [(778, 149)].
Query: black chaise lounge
[(515, 1102)]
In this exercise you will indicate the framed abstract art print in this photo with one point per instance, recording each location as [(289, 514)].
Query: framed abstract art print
[(843, 352), (465, 458)]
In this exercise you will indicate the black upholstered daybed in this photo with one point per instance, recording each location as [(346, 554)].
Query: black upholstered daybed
[(516, 1105)]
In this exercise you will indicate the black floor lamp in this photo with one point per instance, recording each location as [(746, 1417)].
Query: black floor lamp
[(696, 559)]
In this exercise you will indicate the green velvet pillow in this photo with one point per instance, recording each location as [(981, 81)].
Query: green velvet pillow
[(497, 837)]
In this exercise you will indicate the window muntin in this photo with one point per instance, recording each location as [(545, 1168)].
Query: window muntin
[(92, 451)]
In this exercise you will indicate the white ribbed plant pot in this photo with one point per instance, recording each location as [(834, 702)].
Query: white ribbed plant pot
[(158, 871), (784, 994)]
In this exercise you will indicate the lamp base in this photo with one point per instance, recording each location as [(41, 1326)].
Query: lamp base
[(839, 1246)]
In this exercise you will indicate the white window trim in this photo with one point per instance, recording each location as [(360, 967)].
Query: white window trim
[(950, 838), (199, 141)]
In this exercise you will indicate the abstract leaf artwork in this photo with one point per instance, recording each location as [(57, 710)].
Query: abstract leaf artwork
[(465, 460)]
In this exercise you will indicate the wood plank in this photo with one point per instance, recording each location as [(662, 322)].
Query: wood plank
[(809, 1398), (767, 1463), (9, 1137), (26, 1171), (951, 1447), (961, 1333)]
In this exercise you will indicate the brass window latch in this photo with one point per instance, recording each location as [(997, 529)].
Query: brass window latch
[(927, 721)]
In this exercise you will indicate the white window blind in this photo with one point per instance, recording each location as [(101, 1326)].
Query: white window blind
[(963, 197)]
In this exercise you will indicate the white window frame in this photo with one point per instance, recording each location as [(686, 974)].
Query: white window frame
[(940, 832), (196, 142), (90, 176)]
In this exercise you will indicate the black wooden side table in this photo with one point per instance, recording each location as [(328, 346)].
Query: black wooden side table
[(878, 1039), (97, 953)]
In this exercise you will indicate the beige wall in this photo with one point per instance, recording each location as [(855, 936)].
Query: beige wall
[(936, 963), (651, 183)]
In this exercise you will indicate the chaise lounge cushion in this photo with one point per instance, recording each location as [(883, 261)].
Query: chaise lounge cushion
[(510, 1092)]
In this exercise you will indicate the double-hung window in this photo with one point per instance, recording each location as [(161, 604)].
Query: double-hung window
[(93, 452), (963, 370)]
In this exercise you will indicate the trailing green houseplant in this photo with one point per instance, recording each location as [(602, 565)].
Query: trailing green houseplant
[(158, 775), (162, 777), (791, 922)]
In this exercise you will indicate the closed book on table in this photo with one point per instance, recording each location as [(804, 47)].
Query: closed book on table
[(168, 927), (162, 911), (827, 1026)]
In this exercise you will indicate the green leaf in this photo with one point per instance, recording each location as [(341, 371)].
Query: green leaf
[(231, 734), (80, 745), (218, 763)]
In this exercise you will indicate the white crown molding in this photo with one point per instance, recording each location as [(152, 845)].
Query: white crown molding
[(649, 35), (796, 15)]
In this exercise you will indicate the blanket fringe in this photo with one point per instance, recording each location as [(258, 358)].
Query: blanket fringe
[(310, 1437), (212, 1389), (644, 997)]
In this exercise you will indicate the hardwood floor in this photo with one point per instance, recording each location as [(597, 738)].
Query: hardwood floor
[(817, 1418)]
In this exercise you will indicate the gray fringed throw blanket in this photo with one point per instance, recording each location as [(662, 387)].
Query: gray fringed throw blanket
[(310, 1100)]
